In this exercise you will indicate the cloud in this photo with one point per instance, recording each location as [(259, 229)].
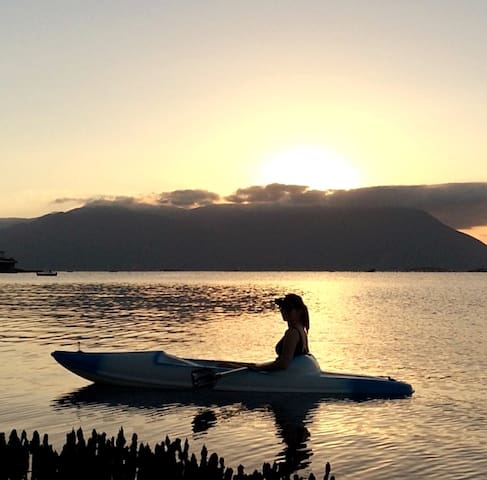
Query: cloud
[(273, 193), (99, 200), (460, 205), (188, 198), (125, 201), (68, 200), (176, 198)]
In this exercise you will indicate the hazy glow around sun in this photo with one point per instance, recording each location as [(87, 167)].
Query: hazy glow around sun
[(309, 165)]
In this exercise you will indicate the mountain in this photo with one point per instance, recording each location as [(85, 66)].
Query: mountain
[(247, 237), (8, 222)]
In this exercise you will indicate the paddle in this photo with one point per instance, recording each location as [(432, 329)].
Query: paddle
[(206, 377)]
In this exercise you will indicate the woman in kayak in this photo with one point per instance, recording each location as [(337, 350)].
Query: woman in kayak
[(295, 339)]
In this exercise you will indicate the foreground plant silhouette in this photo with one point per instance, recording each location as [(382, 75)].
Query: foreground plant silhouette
[(103, 458)]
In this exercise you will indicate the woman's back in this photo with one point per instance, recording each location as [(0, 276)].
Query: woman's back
[(301, 346)]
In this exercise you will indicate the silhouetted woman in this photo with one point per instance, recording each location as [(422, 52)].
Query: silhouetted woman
[(295, 339)]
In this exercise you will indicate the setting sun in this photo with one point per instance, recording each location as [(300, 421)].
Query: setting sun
[(309, 165)]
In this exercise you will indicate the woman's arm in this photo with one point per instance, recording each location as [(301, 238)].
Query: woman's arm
[(290, 340)]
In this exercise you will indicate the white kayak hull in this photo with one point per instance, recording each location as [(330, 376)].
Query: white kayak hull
[(159, 370)]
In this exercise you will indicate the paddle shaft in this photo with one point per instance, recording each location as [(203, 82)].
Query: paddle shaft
[(207, 377)]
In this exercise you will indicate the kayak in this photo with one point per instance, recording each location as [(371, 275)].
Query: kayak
[(161, 370)]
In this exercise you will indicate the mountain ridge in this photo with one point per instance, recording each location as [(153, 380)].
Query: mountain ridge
[(241, 237)]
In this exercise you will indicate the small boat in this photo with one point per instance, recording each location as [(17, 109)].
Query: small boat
[(46, 273), (7, 264), (160, 370)]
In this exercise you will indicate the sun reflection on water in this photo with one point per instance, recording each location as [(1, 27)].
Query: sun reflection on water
[(424, 328)]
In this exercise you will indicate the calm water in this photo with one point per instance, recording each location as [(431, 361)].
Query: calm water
[(428, 329)]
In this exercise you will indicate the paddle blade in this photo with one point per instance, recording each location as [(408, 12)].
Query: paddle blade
[(203, 377)]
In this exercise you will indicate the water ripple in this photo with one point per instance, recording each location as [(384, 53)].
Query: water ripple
[(428, 329)]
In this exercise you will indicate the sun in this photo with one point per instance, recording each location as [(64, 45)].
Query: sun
[(309, 165)]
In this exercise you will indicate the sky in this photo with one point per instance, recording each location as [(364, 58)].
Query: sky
[(137, 98)]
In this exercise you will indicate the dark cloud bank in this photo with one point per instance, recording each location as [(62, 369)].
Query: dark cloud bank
[(458, 205)]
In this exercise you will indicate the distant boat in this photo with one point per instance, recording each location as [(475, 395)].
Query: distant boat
[(46, 273), (7, 265)]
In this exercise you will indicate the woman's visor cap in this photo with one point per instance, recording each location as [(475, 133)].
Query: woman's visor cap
[(289, 302)]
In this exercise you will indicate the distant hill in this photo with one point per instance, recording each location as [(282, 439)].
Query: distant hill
[(228, 237)]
